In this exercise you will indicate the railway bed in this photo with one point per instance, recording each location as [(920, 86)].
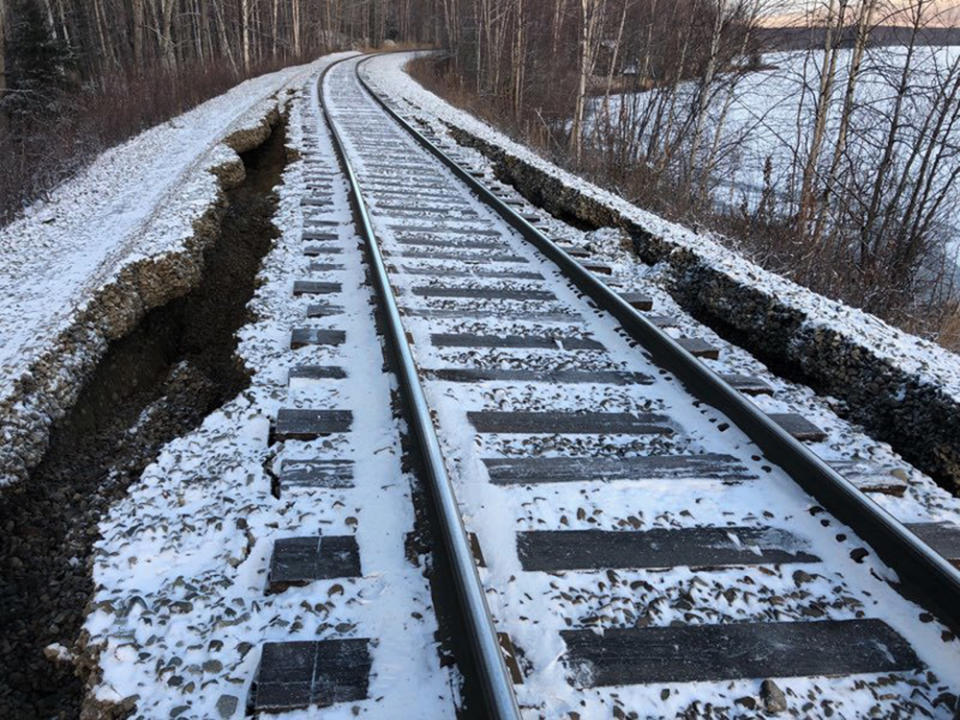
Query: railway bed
[(476, 476), (625, 545)]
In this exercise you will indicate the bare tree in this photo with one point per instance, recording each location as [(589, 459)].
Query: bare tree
[(245, 31), (3, 53), (591, 21)]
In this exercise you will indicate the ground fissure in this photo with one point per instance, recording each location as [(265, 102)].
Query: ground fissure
[(155, 384)]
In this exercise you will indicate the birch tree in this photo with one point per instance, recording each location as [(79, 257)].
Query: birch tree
[(245, 32), (167, 50), (591, 22), (835, 18)]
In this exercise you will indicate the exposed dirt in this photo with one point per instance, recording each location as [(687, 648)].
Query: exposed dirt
[(156, 384)]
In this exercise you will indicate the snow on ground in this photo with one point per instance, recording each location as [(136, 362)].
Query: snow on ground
[(914, 355), (119, 209), (180, 611), (139, 200)]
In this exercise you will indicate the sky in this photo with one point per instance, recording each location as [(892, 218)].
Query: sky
[(940, 13)]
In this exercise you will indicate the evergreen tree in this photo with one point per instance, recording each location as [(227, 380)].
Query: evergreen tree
[(37, 65)]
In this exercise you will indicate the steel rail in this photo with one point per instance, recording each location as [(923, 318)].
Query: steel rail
[(496, 683), (924, 575)]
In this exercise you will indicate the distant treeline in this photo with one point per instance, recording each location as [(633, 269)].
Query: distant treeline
[(809, 38)]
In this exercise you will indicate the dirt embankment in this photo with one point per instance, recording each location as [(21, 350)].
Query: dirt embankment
[(158, 356)]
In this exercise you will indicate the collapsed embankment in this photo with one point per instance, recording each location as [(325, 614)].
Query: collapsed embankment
[(47, 391), (894, 393), (147, 359)]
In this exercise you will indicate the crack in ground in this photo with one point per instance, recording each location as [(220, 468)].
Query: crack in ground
[(156, 384)]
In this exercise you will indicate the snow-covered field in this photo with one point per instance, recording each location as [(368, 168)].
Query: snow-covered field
[(768, 114)]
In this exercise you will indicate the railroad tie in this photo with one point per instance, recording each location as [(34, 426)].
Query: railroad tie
[(319, 310), (296, 675), (484, 293), (697, 547), (871, 477), (310, 424), (479, 272), (317, 372), (698, 347), (539, 470), (317, 201), (306, 474), (554, 377), (324, 267), (462, 256), (601, 268), (314, 287), (639, 301), (299, 561), (748, 650), (747, 384), (316, 250), (430, 241), (492, 313), (302, 337), (571, 423), (943, 537), (798, 426), (542, 342)]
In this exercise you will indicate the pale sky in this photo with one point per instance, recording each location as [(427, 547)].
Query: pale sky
[(940, 13)]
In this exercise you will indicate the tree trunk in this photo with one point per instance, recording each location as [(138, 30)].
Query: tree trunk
[(703, 92), (295, 11), (3, 59), (559, 13), (590, 14), (749, 23), (138, 35), (245, 32), (205, 33), (612, 68), (868, 232), (65, 31), (167, 50), (518, 63), (224, 36), (823, 103), (853, 74)]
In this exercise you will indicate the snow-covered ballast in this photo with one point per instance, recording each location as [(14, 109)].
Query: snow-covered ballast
[(903, 389)]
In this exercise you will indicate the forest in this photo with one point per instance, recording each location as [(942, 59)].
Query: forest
[(847, 182), (78, 76)]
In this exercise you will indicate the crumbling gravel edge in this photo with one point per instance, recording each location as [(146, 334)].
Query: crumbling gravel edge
[(53, 383)]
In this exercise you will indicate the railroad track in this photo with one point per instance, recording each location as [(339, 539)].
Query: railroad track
[(627, 534)]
